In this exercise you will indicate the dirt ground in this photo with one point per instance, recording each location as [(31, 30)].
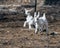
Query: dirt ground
[(14, 35)]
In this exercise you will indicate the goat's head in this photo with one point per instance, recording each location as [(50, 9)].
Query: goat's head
[(26, 11), (36, 16)]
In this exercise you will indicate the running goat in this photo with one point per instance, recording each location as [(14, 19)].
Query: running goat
[(29, 21), (41, 22)]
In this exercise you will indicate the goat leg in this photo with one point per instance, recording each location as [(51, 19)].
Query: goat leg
[(25, 24), (36, 28)]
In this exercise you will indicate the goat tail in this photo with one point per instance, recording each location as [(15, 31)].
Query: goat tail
[(44, 15)]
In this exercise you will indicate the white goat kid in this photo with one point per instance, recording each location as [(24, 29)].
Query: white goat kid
[(36, 16), (29, 21), (40, 22), (29, 18), (43, 22)]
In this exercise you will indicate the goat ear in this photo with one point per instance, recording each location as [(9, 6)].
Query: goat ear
[(38, 13), (34, 13), (44, 14)]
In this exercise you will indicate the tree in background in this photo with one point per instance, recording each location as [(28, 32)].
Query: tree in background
[(52, 2)]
